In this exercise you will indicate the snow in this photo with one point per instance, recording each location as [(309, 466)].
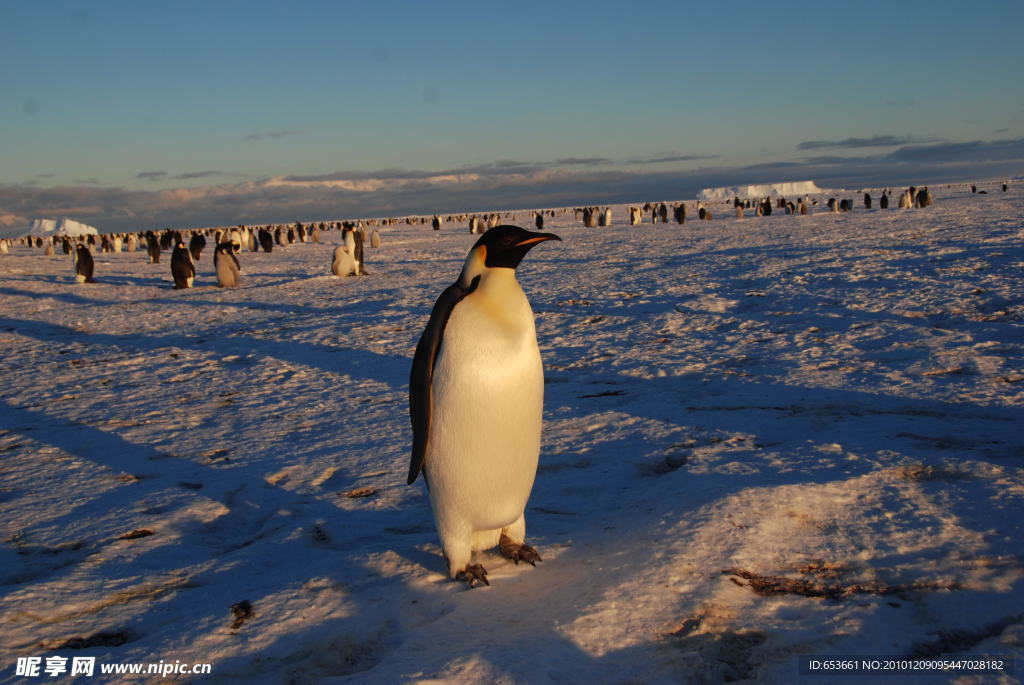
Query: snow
[(753, 192), (829, 401), (43, 228)]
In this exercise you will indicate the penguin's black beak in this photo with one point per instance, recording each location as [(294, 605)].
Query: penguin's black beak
[(538, 238)]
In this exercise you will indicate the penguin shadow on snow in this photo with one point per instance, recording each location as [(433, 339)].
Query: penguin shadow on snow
[(71, 297), (281, 524), (341, 310), (135, 281), (358, 363)]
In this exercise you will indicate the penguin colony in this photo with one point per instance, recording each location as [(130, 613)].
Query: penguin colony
[(348, 258)]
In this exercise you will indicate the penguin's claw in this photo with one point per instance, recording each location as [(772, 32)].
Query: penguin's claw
[(472, 574), (516, 552)]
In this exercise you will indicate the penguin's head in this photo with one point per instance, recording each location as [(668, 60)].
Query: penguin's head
[(500, 247), (505, 246)]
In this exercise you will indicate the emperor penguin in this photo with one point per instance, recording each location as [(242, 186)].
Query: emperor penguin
[(196, 245), (182, 269), (680, 214), (266, 240), (153, 247), (83, 265), (476, 395), (348, 257), (226, 265)]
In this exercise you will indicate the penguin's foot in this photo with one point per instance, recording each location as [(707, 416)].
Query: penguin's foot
[(518, 552), (473, 574)]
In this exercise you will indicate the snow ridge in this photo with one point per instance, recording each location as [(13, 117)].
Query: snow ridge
[(745, 192)]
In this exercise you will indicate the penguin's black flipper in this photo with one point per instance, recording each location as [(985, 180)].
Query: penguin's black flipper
[(423, 373)]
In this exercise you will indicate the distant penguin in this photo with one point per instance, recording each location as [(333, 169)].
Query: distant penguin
[(48, 250), (226, 265), (196, 246), (588, 217), (663, 213), (165, 239), (1005, 186), (905, 200), (83, 265), (348, 257), (883, 201), (342, 263), (118, 243), (314, 235), (132, 244), (65, 246), (867, 200), (375, 239), (680, 213), (183, 271), (539, 221), (153, 247), (476, 395), (266, 240), (739, 211), (606, 217), (974, 188), (803, 208), (701, 213), (435, 223), (635, 217), (474, 225)]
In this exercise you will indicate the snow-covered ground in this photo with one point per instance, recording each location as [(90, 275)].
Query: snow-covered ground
[(764, 438)]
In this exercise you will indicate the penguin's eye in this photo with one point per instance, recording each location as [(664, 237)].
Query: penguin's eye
[(507, 240)]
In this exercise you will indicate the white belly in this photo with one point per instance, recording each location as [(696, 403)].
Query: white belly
[(343, 263), (227, 273), (488, 394)]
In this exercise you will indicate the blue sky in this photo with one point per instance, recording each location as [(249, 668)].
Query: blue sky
[(129, 111)]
